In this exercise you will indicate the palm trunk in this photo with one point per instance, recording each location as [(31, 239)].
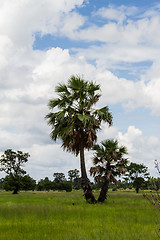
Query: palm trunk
[(105, 185), (103, 192), (84, 179)]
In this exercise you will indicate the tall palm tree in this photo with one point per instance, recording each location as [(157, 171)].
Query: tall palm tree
[(75, 121), (109, 163)]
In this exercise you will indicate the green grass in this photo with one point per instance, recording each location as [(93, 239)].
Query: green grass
[(48, 216)]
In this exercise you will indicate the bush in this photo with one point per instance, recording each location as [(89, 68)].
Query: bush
[(64, 185)]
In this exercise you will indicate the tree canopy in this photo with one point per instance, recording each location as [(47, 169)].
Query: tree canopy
[(137, 174), (59, 177)]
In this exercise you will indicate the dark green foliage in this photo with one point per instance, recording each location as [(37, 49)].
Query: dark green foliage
[(28, 183), (64, 185), (47, 185), (138, 183), (12, 183), (16, 183), (59, 177), (44, 185)]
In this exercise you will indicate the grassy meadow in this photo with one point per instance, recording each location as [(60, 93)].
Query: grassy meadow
[(60, 215)]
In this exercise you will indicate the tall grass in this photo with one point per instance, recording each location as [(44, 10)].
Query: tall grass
[(60, 215)]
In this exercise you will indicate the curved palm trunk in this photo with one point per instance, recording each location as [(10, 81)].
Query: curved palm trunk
[(105, 185), (84, 180), (103, 192)]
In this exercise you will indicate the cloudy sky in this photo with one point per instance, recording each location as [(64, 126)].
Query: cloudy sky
[(112, 42)]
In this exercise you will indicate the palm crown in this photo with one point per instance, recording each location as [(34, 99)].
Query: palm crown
[(75, 121), (108, 160)]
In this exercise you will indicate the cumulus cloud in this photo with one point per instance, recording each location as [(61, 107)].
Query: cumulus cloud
[(141, 31), (118, 14), (47, 159), (27, 17), (141, 148)]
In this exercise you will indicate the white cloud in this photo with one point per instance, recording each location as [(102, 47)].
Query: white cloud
[(115, 89), (71, 23), (27, 17), (123, 43), (119, 14), (131, 138), (142, 30), (141, 148), (48, 159)]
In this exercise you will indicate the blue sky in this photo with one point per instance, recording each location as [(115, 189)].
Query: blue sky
[(114, 43)]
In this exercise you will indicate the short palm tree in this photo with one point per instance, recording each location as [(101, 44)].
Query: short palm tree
[(109, 163), (76, 122)]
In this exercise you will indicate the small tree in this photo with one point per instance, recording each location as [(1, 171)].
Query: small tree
[(73, 174), (11, 162), (59, 177), (109, 163), (137, 174), (74, 178), (12, 183)]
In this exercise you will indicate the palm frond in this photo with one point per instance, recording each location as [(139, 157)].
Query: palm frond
[(72, 117), (62, 88), (109, 158)]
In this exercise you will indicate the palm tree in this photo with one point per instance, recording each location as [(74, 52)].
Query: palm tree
[(109, 163), (75, 122)]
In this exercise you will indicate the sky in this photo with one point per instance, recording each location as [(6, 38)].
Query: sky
[(114, 43)]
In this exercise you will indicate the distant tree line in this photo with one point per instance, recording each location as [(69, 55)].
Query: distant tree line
[(108, 165), (59, 182), (26, 183)]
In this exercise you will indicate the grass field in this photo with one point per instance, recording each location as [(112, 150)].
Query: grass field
[(48, 216)]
